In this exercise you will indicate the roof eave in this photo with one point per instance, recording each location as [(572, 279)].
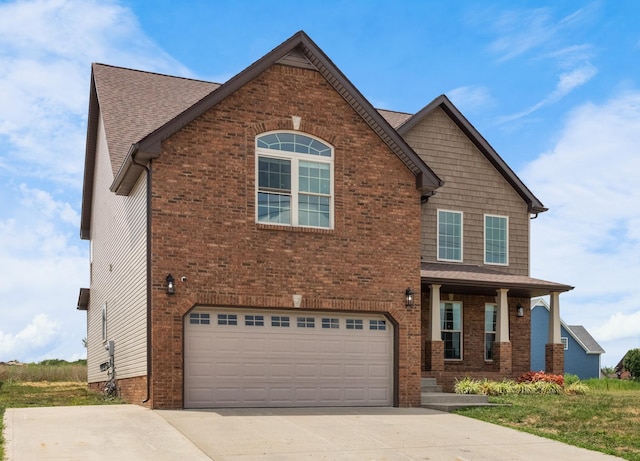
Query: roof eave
[(89, 161), (426, 179)]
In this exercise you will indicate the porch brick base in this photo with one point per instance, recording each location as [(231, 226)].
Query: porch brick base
[(502, 357), (554, 358), (434, 355)]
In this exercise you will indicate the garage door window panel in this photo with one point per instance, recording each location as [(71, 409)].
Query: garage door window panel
[(197, 318), (227, 319), (254, 320), (279, 321), (306, 322)]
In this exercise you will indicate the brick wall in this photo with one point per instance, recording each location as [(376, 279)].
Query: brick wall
[(132, 390), (473, 363), (203, 224)]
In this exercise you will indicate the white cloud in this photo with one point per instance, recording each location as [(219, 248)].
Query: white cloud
[(46, 50), (567, 82), (37, 336), (619, 325), (526, 30), (590, 238), (470, 99)]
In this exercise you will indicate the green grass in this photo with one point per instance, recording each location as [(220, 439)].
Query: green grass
[(606, 419), (45, 385)]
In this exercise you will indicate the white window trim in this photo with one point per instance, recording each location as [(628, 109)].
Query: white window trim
[(495, 306), (565, 342), (461, 330), (484, 239), (461, 235), (295, 158)]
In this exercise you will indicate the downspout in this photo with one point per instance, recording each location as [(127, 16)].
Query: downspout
[(149, 362)]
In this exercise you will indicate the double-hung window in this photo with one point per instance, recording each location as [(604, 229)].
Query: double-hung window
[(496, 240), (490, 316), (449, 235), (451, 329), (294, 183)]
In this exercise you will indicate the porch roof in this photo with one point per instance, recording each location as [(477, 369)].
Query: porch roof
[(477, 280)]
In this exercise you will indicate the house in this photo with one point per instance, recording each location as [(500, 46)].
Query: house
[(621, 371), (581, 352), (277, 241)]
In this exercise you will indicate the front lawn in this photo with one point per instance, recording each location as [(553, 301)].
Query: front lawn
[(606, 419)]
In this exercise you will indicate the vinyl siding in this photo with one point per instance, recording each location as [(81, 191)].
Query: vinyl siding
[(118, 272), (473, 186)]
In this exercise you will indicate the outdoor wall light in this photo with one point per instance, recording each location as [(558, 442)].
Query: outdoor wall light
[(171, 285), (520, 310), (409, 297)]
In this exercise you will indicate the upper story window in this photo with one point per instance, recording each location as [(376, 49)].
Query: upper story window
[(496, 240), (449, 235), (294, 184)]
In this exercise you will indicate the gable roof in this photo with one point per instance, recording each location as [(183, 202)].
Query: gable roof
[(442, 102), (132, 103), (141, 142), (578, 332)]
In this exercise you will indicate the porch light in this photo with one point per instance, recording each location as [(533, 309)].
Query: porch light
[(520, 310), (171, 285), (409, 295)]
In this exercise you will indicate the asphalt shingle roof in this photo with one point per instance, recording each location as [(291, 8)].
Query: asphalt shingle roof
[(133, 103), (583, 335)]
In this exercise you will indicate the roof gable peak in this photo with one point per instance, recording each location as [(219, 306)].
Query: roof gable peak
[(444, 103), (301, 51)]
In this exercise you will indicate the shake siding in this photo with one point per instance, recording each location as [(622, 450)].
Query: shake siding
[(473, 186), (118, 238)]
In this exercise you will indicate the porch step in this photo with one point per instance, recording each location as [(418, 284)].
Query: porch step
[(443, 401), (429, 385), (433, 398)]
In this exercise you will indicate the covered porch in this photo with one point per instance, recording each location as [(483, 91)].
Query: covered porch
[(476, 323)]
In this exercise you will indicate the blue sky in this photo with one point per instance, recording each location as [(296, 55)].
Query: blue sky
[(554, 86)]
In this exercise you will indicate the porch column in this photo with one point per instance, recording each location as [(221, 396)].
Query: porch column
[(502, 354), (434, 316), (434, 347), (502, 316), (554, 349)]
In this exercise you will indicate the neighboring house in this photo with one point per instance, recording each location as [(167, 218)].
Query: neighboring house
[(621, 371), (277, 241), (581, 351)]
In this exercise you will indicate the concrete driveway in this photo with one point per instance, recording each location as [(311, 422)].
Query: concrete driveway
[(130, 432)]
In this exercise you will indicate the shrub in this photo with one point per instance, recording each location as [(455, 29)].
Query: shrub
[(467, 386), (535, 376), (576, 388), (570, 379)]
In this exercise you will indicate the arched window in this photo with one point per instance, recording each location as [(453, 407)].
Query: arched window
[(294, 180)]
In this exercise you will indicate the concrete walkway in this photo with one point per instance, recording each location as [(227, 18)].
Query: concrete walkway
[(128, 432)]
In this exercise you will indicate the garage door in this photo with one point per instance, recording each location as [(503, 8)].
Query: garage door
[(240, 358)]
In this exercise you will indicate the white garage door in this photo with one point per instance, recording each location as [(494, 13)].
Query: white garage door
[(240, 358)]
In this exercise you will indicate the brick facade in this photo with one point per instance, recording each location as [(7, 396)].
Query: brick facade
[(203, 225), (510, 359)]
